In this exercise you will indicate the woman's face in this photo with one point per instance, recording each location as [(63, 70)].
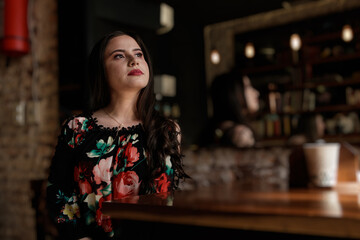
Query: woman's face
[(125, 66), (251, 96)]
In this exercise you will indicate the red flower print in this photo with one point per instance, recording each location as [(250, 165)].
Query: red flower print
[(98, 216), (107, 198), (79, 138), (106, 224), (83, 171), (84, 186), (122, 138), (132, 155), (100, 202), (103, 221), (126, 184), (162, 184), (118, 160), (81, 176), (76, 174)]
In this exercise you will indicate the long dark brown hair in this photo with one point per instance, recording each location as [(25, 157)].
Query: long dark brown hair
[(161, 133), (228, 98)]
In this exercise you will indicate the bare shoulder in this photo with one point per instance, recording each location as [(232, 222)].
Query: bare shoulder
[(177, 127)]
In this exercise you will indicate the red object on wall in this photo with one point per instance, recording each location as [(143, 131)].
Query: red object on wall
[(15, 40)]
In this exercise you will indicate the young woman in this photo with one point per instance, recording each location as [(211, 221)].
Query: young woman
[(234, 100), (122, 147)]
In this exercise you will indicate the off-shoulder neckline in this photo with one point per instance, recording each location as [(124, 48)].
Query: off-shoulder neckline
[(94, 119)]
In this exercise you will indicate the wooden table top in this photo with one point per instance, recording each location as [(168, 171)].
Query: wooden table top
[(313, 211)]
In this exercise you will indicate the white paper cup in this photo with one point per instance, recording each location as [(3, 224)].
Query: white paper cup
[(322, 161)]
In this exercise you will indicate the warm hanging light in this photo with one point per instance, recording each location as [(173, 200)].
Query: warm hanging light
[(347, 33), (215, 56), (295, 42), (166, 18), (249, 50)]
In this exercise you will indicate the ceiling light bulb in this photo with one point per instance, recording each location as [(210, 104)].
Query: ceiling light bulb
[(347, 33), (215, 56), (249, 50), (295, 42)]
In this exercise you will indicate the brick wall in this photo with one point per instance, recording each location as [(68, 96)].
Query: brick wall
[(257, 168), (28, 120)]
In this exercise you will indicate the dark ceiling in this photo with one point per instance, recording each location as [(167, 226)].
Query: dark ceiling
[(208, 12)]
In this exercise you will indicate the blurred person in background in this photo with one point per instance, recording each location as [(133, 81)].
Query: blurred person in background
[(234, 100)]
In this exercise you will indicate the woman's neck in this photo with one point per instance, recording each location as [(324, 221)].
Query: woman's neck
[(123, 108)]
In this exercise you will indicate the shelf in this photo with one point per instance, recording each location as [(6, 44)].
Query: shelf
[(315, 79), (322, 109), (277, 67), (340, 58), (352, 138), (322, 38), (265, 68), (311, 85), (335, 108), (330, 84)]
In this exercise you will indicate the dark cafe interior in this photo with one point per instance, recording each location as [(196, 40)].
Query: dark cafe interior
[(266, 93)]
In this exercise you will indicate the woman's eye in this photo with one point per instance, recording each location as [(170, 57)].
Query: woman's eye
[(139, 54), (118, 56)]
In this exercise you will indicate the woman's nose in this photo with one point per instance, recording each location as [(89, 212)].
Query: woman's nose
[(133, 61)]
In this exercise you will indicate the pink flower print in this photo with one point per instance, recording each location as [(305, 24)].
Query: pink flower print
[(74, 123), (102, 172), (126, 184)]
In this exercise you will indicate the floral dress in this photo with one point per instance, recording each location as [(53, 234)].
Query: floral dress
[(93, 164)]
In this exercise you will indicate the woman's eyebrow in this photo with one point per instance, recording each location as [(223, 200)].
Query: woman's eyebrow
[(117, 50), (122, 50)]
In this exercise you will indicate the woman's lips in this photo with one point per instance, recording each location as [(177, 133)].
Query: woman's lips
[(135, 72)]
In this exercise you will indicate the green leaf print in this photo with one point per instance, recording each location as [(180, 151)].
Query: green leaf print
[(90, 218), (84, 125), (106, 191), (123, 142), (169, 171), (102, 148)]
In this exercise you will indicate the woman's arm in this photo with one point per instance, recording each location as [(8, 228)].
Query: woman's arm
[(63, 200)]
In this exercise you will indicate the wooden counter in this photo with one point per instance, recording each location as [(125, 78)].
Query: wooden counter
[(317, 212)]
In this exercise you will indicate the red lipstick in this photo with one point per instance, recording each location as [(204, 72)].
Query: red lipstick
[(135, 72)]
